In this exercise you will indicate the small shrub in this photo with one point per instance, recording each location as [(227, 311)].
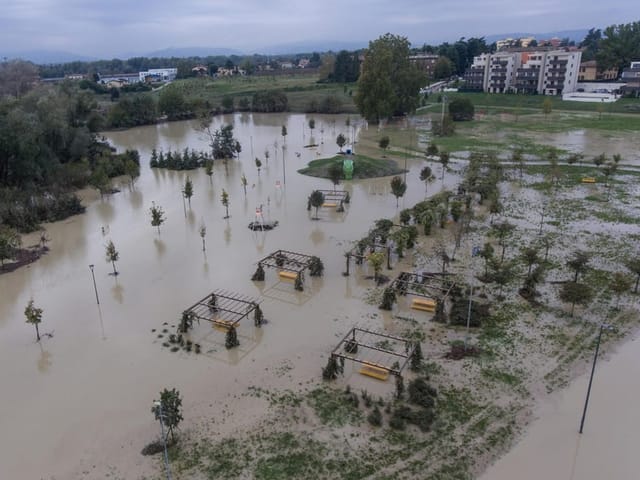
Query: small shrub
[(375, 417)]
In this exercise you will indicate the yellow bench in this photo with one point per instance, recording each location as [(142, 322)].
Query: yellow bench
[(374, 370), (329, 204), (222, 324), (287, 275), (588, 180), (425, 305)]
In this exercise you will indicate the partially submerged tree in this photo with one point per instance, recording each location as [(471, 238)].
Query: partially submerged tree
[(203, 233), (316, 199), (376, 260), (168, 410), (112, 255), (224, 198), (188, 190), (258, 165), (243, 182), (633, 265), (34, 316), (157, 216), (426, 176), (341, 140), (384, 141), (432, 149), (208, 169), (444, 160), (398, 188)]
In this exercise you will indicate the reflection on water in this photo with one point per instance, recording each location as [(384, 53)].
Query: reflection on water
[(160, 247), (44, 360)]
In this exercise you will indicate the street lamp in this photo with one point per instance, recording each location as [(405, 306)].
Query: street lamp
[(164, 439), (94, 283), (603, 327)]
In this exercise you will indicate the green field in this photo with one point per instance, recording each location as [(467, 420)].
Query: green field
[(300, 89)]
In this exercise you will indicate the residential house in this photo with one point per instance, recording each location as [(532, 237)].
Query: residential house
[(159, 74)]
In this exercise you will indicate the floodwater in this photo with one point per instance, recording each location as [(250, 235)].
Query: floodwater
[(77, 405), (552, 447)]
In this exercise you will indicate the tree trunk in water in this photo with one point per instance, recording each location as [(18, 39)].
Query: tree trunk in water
[(203, 247), (37, 332), (114, 267), (573, 305)]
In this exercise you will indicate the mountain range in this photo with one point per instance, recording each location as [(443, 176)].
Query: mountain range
[(53, 56)]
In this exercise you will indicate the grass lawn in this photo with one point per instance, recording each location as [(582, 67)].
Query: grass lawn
[(363, 167)]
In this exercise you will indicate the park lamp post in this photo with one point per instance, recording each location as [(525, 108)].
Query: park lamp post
[(603, 327), (164, 439), (95, 288)]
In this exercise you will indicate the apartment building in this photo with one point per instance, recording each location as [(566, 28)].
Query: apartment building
[(589, 72), (545, 72), (159, 74), (425, 62)]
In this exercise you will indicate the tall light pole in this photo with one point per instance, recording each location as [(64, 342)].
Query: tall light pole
[(603, 327), (94, 283), (444, 101), (164, 439)]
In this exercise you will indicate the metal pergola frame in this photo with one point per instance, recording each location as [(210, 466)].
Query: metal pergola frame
[(426, 285), (223, 309), (337, 196), (363, 338), (293, 261)]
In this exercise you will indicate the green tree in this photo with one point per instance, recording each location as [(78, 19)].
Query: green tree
[(620, 283), (376, 260), (112, 255), (398, 188), (157, 216), (34, 316), (620, 46), (258, 165), (432, 150), (100, 181), (547, 107), (172, 103), (224, 198), (517, 158), (426, 176), (444, 160), (316, 199), (389, 84), (9, 243), (461, 109), (283, 132), (503, 231), (578, 264), (168, 410), (227, 104), (530, 256), (383, 143), (443, 68), (346, 68), (132, 169), (573, 292), (341, 140), (208, 169), (188, 190)]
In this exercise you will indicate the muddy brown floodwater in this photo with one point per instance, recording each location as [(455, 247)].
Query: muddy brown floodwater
[(77, 405)]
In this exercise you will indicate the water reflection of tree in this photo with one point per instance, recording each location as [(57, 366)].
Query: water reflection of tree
[(105, 211), (160, 247), (136, 199), (44, 360), (317, 236), (118, 292), (227, 233)]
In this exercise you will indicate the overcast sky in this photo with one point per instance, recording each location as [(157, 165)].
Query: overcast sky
[(107, 28)]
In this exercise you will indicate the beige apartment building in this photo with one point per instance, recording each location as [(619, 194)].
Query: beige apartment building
[(546, 72)]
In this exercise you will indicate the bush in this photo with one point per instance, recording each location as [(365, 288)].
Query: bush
[(375, 417), (269, 101), (461, 109), (421, 393)]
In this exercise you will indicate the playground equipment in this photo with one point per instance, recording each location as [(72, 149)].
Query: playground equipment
[(347, 167)]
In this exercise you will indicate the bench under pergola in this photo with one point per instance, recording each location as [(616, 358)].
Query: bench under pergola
[(432, 288), (290, 266), (380, 354), (334, 198), (222, 309)]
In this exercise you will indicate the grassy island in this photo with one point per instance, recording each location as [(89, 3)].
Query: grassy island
[(363, 167)]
